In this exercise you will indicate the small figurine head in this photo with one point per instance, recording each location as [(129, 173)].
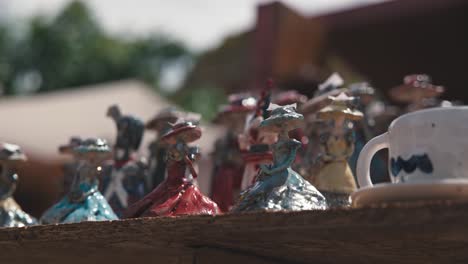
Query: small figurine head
[(415, 87), (180, 134), (10, 155), (282, 119), (114, 112)]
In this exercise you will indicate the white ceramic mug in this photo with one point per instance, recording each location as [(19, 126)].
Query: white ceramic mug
[(425, 146)]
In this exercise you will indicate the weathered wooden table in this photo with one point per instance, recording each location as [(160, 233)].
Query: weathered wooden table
[(429, 233)]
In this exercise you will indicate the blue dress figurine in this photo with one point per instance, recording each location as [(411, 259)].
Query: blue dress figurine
[(84, 202), (11, 214), (278, 187)]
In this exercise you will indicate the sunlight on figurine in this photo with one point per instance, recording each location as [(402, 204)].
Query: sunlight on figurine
[(11, 214), (278, 187), (335, 179), (176, 195), (84, 202)]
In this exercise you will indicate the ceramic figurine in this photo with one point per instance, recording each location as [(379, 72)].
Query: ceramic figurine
[(335, 180), (161, 124), (311, 163), (11, 214), (417, 92), (288, 98), (125, 180), (84, 202), (278, 187), (69, 168), (228, 163), (255, 143), (176, 195)]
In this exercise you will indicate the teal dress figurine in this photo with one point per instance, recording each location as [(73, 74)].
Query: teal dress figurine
[(11, 214), (278, 187), (84, 202)]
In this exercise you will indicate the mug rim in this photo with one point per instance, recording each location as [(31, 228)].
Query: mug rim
[(434, 109)]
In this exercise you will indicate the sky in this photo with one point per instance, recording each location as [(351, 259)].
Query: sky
[(200, 24)]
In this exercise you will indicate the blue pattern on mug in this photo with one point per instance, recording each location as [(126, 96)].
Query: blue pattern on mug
[(415, 161)]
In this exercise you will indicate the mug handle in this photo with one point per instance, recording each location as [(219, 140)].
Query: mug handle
[(365, 158)]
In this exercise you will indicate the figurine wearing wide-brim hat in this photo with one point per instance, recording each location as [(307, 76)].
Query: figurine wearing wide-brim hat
[(227, 158), (278, 187), (176, 195), (84, 201), (414, 88), (160, 123), (335, 179), (11, 213)]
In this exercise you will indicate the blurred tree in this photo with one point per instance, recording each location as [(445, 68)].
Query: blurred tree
[(73, 50)]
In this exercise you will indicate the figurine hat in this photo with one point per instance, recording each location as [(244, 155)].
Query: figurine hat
[(171, 115), (12, 153), (184, 130), (282, 116), (238, 103), (67, 148), (290, 97), (322, 96), (339, 106), (415, 87), (93, 145), (361, 88)]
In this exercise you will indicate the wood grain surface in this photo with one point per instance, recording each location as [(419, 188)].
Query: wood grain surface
[(418, 233)]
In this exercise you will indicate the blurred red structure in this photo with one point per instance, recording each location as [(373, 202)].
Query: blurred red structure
[(381, 42)]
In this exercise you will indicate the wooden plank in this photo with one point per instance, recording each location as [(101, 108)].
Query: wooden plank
[(431, 233)]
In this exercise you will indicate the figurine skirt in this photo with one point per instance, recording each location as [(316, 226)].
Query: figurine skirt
[(185, 199), (93, 208)]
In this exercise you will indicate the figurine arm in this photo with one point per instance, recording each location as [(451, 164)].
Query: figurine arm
[(284, 165)]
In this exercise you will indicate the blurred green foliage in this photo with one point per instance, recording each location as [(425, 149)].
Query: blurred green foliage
[(201, 99), (72, 49)]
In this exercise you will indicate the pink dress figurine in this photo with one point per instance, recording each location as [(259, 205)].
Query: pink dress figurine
[(176, 195)]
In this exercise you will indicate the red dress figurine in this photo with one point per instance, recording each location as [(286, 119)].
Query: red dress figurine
[(176, 195)]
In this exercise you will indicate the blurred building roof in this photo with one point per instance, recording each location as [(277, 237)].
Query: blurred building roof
[(40, 123)]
